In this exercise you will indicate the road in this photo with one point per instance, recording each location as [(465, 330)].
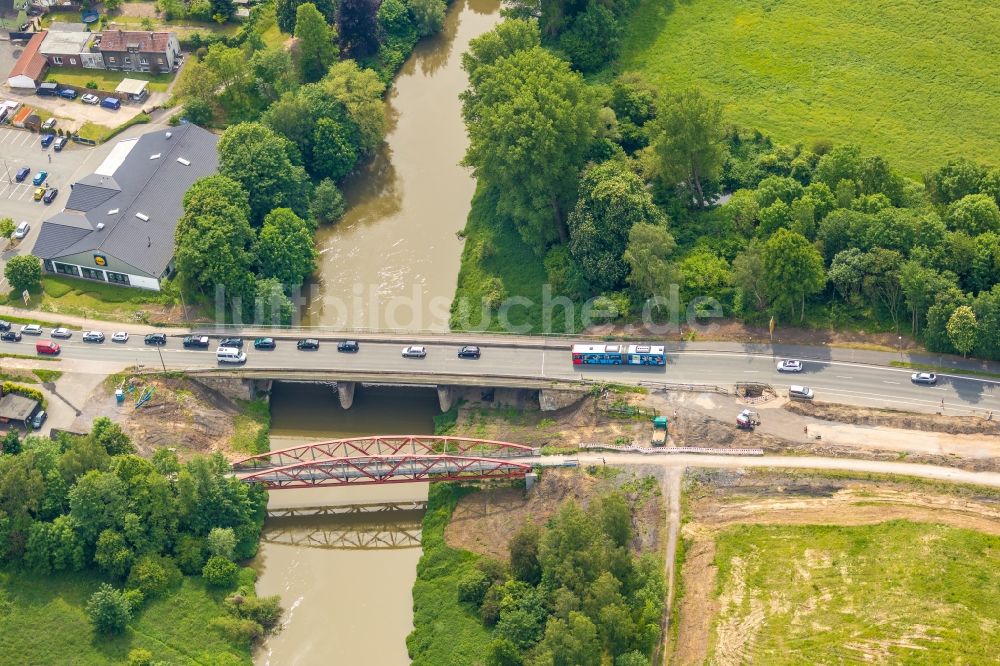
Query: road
[(835, 381)]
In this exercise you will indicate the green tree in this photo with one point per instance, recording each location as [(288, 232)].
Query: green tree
[(593, 39), (221, 541), (571, 643), (847, 273), (648, 255), (112, 553), (920, 284), (776, 216), (530, 121), (395, 20), (841, 163), (523, 546), (875, 176), (223, 10), (11, 443), (749, 280), (7, 227), (328, 203), (152, 575), (273, 73), (953, 181), (198, 111), (315, 41), (110, 435), (286, 11), (881, 281), (974, 214), (936, 332), (428, 16), (220, 572), (109, 610), (633, 658), (990, 184), (793, 270), (503, 652), (285, 248), (508, 37), (689, 148), (143, 657), (273, 306), (97, 503), (611, 200), (334, 151), (778, 188), (23, 272), (357, 24), (963, 329)]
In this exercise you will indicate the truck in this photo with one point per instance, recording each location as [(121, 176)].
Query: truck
[(660, 431), (747, 419)]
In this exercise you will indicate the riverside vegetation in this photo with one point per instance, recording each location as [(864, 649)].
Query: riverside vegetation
[(609, 190), (106, 557)]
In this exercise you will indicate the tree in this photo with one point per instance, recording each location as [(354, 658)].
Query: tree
[(593, 39), (273, 73), (875, 176), (23, 272), (990, 184), (357, 25), (361, 92), (334, 152), (11, 443), (963, 329), (428, 16), (221, 541), (956, 179), (267, 167), (315, 41), (612, 199), (793, 270), (633, 658), (572, 642), (328, 203), (285, 248), (223, 10), (272, 306), (109, 610), (847, 273), (220, 572), (648, 256), (530, 122), (7, 227), (286, 11), (689, 148), (881, 280), (841, 163), (778, 188), (198, 111), (503, 652), (523, 546), (97, 503), (110, 436), (974, 214), (749, 279), (508, 37), (920, 284), (143, 657)]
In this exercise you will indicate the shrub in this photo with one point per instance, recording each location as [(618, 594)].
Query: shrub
[(109, 610), (23, 272), (489, 610), (198, 112), (221, 541), (190, 554), (140, 657), (153, 575), (26, 391), (473, 586), (7, 227), (220, 572), (237, 630), (265, 611), (91, 85)]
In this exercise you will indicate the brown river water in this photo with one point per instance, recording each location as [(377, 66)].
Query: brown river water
[(343, 564), (392, 260)]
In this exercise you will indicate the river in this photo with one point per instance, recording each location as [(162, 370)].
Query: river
[(392, 261)]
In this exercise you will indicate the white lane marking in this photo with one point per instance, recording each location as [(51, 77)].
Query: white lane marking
[(888, 382), (752, 371), (844, 377)]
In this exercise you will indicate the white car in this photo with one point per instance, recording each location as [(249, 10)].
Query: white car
[(789, 366), (62, 333), (414, 352), (90, 98), (928, 378), (22, 230), (31, 329), (119, 336)]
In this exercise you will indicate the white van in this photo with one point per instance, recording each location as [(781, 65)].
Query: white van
[(800, 393), (230, 355)]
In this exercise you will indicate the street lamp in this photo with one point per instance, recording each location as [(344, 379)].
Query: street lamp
[(901, 349)]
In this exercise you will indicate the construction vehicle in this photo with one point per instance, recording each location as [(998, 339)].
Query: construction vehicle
[(660, 431), (747, 419)]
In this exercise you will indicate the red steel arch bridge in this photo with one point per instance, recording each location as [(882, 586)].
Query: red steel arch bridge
[(385, 459)]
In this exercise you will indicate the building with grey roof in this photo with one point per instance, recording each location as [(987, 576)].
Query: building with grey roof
[(118, 224)]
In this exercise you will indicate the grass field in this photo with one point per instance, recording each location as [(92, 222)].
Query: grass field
[(87, 298), (105, 80), (893, 592), (42, 622), (915, 80)]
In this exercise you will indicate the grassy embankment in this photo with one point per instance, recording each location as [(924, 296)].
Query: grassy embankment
[(895, 591), (85, 298), (253, 428), (43, 621), (882, 74)]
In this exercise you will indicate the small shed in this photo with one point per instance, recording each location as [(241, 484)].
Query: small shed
[(17, 409), (134, 90)]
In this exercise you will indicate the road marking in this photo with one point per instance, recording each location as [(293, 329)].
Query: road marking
[(844, 377), (752, 371), (888, 382)]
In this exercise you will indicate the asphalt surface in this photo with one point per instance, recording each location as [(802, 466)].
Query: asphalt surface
[(832, 380)]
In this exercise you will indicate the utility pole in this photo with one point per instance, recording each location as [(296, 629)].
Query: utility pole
[(158, 351), (7, 169)]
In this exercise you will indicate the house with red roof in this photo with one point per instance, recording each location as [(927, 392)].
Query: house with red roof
[(29, 70)]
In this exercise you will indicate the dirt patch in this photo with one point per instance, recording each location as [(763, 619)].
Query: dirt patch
[(954, 425), (484, 522), (181, 413)]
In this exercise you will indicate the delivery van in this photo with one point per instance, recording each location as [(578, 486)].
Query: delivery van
[(47, 347), (230, 355)]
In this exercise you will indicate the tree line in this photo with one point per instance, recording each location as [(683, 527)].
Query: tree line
[(618, 188)]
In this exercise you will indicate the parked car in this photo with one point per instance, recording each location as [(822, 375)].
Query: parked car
[(800, 393), (10, 336), (469, 351), (307, 344), (4, 325), (90, 98), (50, 195), (119, 336), (348, 346), (39, 419), (50, 89), (264, 343), (47, 140), (93, 336), (39, 178), (31, 329), (22, 173), (60, 143), (22, 230), (155, 339), (112, 103), (68, 93), (928, 378), (232, 342), (40, 192), (789, 365), (196, 341), (49, 124), (61, 332), (414, 351)]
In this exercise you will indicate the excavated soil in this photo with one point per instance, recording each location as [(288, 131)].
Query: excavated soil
[(182, 414), (953, 425), (718, 499), (484, 522)]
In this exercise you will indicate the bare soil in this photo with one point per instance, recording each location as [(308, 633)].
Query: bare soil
[(718, 499), (484, 522), (954, 425), (182, 413)]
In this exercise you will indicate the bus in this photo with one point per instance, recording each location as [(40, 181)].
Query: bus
[(618, 354)]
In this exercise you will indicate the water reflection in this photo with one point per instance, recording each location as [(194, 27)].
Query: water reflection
[(347, 527)]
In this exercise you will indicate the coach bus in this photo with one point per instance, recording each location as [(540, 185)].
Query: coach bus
[(618, 354)]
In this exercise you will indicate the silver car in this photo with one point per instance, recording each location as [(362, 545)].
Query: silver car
[(789, 365), (61, 332), (414, 351), (22, 230), (31, 329)]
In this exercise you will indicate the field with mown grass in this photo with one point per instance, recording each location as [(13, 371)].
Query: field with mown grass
[(43, 622), (86, 298), (915, 81), (106, 80), (894, 592)]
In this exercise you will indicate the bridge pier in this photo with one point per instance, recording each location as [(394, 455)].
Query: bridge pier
[(549, 400), (345, 393), (446, 397)]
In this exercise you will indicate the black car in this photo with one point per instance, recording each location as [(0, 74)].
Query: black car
[(469, 351), (4, 325), (22, 173), (156, 339), (347, 346), (308, 343), (264, 343), (232, 342), (50, 195), (10, 336), (196, 341)]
